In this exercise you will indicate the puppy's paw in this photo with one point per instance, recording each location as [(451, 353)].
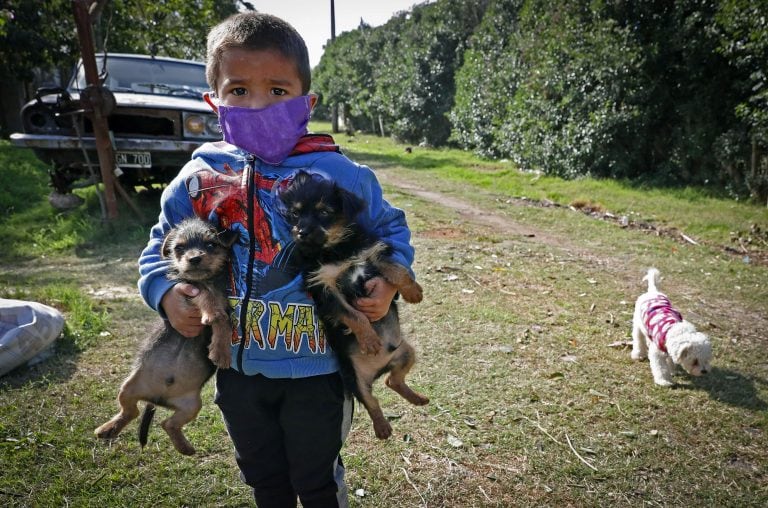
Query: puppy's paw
[(107, 431), (664, 382), (221, 357), (382, 428), (412, 293), (180, 442), (209, 318), (184, 448), (370, 344), (637, 355)]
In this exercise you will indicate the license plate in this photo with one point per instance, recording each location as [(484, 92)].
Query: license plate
[(133, 159)]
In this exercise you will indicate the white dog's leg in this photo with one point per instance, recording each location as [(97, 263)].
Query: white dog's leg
[(670, 364), (660, 368), (639, 347)]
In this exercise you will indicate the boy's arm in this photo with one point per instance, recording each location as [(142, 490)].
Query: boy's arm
[(161, 294), (384, 220), (389, 224)]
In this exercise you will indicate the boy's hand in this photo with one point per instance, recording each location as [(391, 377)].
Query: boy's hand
[(183, 316), (380, 294)]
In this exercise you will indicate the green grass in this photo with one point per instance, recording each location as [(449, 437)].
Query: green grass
[(31, 228), (85, 322), (531, 405)]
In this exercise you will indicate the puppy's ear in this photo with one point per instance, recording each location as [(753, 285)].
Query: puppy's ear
[(351, 204), (302, 177), (165, 249), (228, 237)]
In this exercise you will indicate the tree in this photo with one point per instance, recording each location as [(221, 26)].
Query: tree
[(657, 91), (401, 75), (485, 82), (40, 36), (414, 79), (33, 36), (36, 34), (577, 107), (551, 86), (175, 28), (743, 29), (344, 75)]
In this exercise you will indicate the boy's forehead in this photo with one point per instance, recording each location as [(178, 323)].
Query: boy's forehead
[(241, 63)]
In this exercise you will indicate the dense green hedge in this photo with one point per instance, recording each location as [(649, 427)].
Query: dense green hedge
[(399, 78), (657, 91)]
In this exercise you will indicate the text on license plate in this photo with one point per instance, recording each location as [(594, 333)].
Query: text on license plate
[(133, 159)]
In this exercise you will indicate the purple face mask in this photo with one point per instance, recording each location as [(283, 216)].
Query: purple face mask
[(268, 133)]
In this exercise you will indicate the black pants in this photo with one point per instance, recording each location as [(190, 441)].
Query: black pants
[(287, 435)]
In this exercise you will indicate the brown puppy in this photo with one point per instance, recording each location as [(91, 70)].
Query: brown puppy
[(199, 255), (337, 258), (170, 369)]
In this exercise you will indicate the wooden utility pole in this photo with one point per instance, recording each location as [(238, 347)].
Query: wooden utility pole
[(334, 106), (97, 103)]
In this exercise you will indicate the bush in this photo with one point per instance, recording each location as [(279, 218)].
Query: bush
[(671, 93)]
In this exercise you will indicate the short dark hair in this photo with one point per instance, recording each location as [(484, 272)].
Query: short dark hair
[(256, 31)]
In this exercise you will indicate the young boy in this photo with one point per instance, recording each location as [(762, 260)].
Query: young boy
[(282, 401)]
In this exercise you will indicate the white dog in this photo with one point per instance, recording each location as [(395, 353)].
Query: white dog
[(671, 339)]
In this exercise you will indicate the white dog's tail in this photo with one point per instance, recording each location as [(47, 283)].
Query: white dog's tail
[(653, 276)]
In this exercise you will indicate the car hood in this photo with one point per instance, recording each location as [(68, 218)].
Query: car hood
[(128, 100)]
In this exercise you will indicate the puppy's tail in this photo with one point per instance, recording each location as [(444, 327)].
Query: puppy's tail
[(652, 277), (146, 421)]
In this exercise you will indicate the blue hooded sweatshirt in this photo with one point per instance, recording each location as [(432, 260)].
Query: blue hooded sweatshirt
[(277, 332)]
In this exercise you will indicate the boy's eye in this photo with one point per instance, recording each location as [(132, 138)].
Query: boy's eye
[(239, 91), (278, 91)]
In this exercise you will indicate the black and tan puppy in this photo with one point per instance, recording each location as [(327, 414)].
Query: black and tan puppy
[(170, 369), (337, 258)]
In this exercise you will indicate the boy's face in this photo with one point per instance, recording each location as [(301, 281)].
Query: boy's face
[(257, 78)]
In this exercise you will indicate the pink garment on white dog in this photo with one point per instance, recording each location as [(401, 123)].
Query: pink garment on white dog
[(658, 316)]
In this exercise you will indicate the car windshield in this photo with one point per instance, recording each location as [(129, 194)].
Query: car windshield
[(148, 76)]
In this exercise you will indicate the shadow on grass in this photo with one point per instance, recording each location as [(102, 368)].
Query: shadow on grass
[(130, 226), (59, 365), (732, 388)]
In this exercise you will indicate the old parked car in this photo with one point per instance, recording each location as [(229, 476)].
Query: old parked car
[(157, 118)]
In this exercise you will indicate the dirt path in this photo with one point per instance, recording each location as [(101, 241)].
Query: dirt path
[(467, 210), (502, 223), (507, 225), (620, 263), (474, 214)]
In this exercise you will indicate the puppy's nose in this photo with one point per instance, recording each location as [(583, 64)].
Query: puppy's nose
[(703, 371), (195, 260)]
